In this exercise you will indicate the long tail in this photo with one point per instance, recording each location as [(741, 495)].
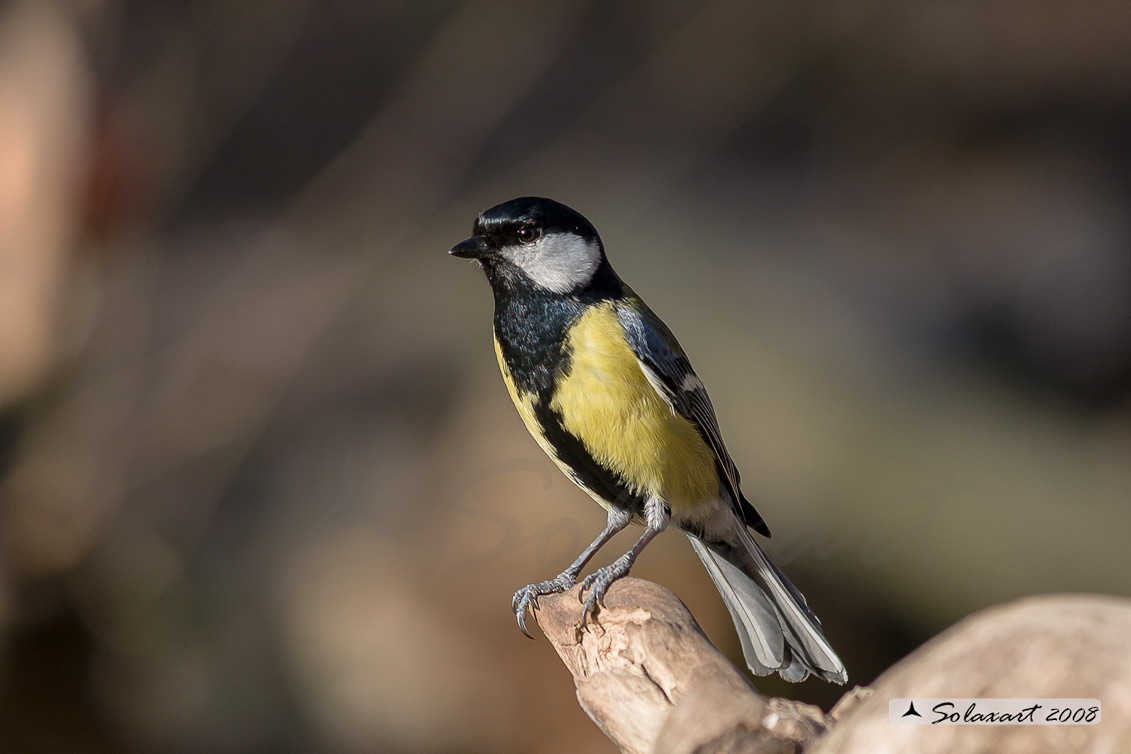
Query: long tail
[(779, 632)]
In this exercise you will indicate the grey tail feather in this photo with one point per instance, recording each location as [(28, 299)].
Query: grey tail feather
[(777, 630)]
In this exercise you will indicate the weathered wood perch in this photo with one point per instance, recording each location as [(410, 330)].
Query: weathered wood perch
[(650, 679)]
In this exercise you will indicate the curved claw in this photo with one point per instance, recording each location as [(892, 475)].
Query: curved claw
[(521, 616), (595, 600), (593, 582), (528, 596), (594, 586), (522, 600), (592, 595)]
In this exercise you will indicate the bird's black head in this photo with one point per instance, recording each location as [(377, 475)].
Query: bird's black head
[(535, 241)]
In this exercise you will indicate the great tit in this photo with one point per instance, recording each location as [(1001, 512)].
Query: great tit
[(608, 393)]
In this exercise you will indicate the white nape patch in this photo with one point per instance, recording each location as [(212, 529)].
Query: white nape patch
[(560, 262)]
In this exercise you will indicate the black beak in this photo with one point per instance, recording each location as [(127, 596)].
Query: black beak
[(473, 248)]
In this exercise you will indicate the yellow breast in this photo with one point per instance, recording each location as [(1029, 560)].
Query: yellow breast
[(607, 402)]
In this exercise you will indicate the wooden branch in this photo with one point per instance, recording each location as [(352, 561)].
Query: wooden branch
[(651, 680), (1055, 646)]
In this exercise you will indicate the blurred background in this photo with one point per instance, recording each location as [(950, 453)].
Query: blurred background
[(261, 487)]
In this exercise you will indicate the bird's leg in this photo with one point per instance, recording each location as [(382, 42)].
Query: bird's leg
[(529, 594), (656, 514)]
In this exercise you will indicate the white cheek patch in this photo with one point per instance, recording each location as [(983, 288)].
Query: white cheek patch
[(560, 262)]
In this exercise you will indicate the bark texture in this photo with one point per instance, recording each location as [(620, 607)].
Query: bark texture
[(649, 678)]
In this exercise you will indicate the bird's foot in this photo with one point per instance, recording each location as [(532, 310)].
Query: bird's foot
[(528, 596), (598, 582)]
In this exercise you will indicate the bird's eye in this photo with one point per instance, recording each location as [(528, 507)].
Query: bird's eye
[(528, 234)]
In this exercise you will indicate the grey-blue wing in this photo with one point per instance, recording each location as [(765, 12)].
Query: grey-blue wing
[(669, 371)]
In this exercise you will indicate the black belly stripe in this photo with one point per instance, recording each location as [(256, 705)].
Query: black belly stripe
[(587, 472), (531, 326)]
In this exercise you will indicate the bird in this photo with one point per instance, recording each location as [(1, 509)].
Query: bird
[(609, 394)]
